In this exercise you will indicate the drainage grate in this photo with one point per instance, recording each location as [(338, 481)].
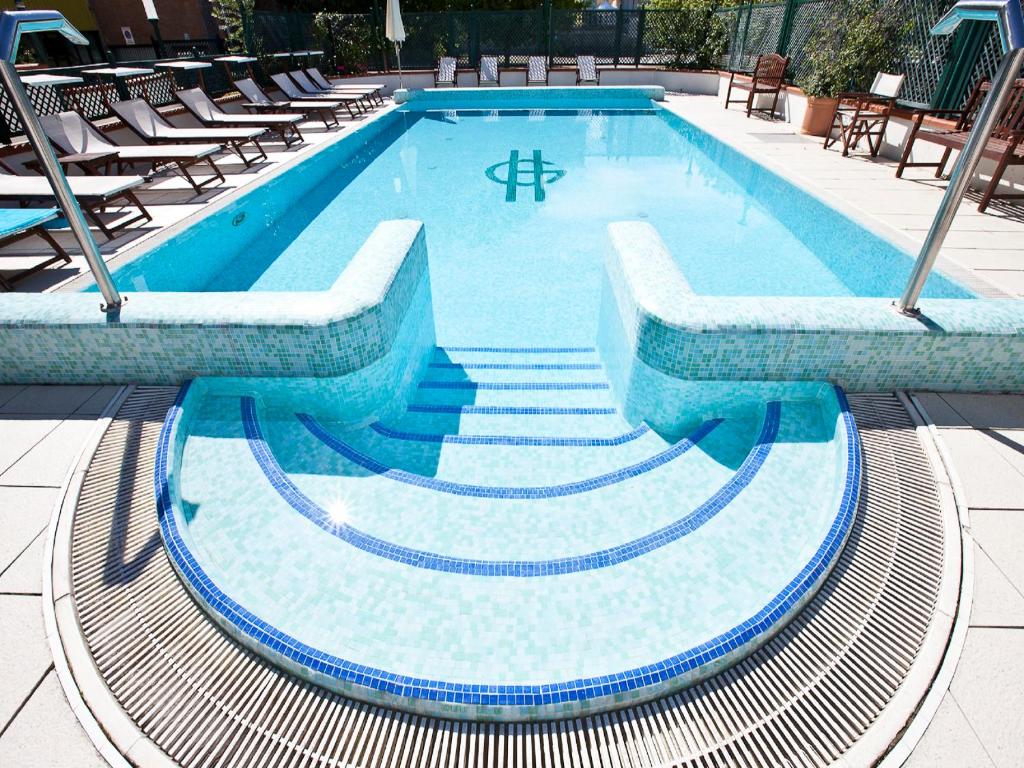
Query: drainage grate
[(802, 700)]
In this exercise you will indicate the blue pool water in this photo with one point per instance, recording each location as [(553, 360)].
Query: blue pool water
[(507, 516), (733, 227)]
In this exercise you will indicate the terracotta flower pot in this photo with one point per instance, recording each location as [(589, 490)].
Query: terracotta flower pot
[(818, 117)]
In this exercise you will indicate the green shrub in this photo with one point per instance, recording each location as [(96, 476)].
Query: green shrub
[(695, 36)]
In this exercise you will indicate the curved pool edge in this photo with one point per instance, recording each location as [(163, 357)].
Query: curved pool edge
[(496, 702)]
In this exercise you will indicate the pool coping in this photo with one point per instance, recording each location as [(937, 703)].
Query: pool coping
[(508, 702)]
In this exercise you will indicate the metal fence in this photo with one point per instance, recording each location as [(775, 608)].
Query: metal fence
[(940, 70)]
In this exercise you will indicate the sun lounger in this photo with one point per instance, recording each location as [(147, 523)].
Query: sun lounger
[(1004, 145), (301, 79), (76, 137), (766, 79), (288, 87), (210, 114), (19, 223), (94, 194), (537, 70), (153, 128), (446, 74), (586, 71), (258, 101), (374, 89), (488, 75), (864, 115)]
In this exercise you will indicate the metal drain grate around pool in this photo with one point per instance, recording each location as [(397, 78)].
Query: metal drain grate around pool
[(805, 699)]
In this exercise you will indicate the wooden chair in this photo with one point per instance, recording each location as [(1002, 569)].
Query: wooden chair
[(767, 78), (1003, 146), (864, 115)]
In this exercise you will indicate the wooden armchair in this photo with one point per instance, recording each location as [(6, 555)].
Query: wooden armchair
[(864, 115), (767, 78)]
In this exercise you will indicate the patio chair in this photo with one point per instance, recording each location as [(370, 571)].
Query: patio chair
[(94, 194), (153, 128), (1003, 146), (446, 73), (209, 113), (586, 71), (488, 74), (86, 146), (258, 101), (17, 224), (301, 79), (864, 115), (766, 79), (376, 90), (287, 86), (537, 70)]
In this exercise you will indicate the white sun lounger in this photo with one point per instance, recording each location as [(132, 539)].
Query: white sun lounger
[(488, 74), (209, 113), (537, 70), (446, 73), (258, 101), (153, 128), (94, 193), (321, 82), (586, 71), (72, 134), (19, 223), (292, 91)]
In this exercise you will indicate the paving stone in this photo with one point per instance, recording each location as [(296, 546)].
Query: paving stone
[(25, 575), (1000, 533), (997, 602), (49, 461), (46, 734), (989, 688), (98, 401), (939, 411), (995, 411), (989, 480), (45, 399), (24, 653), (24, 514), (949, 742), (20, 435)]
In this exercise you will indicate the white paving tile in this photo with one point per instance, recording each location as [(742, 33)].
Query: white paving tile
[(20, 436), (995, 411), (997, 601), (46, 734), (989, 480), (1001, 534), (49, 461), (25, 575), (24, 653), (989, 688), (24, 513), (939, 411), (949, 742), (48, 400)]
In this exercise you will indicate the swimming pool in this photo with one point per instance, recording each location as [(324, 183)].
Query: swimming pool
[(509, 191)]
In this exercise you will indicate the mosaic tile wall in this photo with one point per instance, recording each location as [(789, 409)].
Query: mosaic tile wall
[(168, 338), (863, 344), (525, 98)]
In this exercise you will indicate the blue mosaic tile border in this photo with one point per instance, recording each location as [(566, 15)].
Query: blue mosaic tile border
[(511, 410), (530, 440), (254, 435), (505, 702), (603, 558), (515, 385)]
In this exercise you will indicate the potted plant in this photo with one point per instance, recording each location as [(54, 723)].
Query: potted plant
[(863, 38)]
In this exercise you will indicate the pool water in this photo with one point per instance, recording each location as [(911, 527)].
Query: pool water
[(733, 227)]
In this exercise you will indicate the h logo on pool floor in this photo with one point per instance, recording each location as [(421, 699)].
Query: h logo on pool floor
[(526, 172)]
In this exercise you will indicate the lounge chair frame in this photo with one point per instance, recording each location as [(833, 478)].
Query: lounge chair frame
[(288, 87), (767, 78), (441, 72), (534, 66), (480, 81), (365, 98), (259, 101), (90, 165), (320, 81), (588, 63), (1004, 146), (235, 144), (60, 255), (864, 115), (287, 131)]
